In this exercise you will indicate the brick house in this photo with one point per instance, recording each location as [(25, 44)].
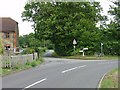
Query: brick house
[(9, 33)]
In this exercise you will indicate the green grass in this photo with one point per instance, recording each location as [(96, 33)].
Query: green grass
[(110, 80), (92, 57), (28, 65)]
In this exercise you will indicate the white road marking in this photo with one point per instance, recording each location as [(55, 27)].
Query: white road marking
[(99, 84), (35, 83), (72, 69), (107, 63)]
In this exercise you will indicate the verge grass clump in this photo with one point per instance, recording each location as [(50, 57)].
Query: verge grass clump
[(111, 79), (18, 67)]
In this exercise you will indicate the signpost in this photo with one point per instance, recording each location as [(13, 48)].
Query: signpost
[(101, 49), (85, 48), (74, 42), (83, 51)]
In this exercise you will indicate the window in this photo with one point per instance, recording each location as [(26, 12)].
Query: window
[(6, 35)]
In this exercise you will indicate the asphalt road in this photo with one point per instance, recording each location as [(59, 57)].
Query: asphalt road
[(61, 73)]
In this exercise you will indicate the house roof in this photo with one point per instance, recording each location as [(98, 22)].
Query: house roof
[(7, 24)]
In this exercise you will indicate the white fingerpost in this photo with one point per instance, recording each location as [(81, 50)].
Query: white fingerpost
[(83, 51)]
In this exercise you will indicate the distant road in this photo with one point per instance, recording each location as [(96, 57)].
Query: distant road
[(61, 73), (48, 53)]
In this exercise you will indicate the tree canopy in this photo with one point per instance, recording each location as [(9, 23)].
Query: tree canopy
[(113, 30), (30, 41), (62, 22)]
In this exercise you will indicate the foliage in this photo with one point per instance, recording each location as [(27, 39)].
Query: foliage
[(34, 63), (111, 34), (59, 23), (28, 63), (80, 57), (28, 51), (30, 41), (41, 49), (113, 31), (6, 71), (1, 47), (111, 80)]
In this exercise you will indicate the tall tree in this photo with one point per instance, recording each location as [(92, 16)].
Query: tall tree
[(113, 31), (61, 22), (28, 40)]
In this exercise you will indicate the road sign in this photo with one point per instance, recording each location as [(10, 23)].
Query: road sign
[(85, 48), (81, 51), (74, 42)]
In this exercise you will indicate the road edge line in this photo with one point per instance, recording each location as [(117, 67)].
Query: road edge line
[(100, 81)]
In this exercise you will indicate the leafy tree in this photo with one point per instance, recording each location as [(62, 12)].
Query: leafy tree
[(112, 33), (28, 41), (32, 42), (61, 22)]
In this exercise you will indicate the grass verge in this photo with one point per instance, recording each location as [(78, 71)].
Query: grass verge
[(92, 57), (6, 71), (111, 80)]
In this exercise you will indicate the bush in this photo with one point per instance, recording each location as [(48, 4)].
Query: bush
[(41, 59), (17, 67), (27, 63), (1, 47), (33, 64), (41, 50), (28, 51)]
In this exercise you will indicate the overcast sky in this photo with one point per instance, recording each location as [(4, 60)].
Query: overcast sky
[(14, 8)]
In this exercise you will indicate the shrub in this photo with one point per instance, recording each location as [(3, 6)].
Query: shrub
[(28, 51), (17, 67), (41, 59), (27, 63), (42, 49), (1, 47), (33, 64)]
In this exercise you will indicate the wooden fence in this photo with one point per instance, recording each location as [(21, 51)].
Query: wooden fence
[(12, 61)]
